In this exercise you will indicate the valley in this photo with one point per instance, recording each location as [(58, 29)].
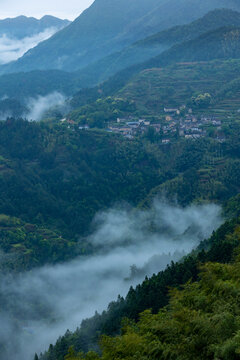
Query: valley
[(119, 179)]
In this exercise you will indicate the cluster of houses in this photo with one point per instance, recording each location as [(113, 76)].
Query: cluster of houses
[(175, 122), (189, 125), (129, 129), (71, 123)]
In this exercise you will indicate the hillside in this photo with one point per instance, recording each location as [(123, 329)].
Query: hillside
[(200, 322), (175, 85), (58, 187), (22, 86), (25, 246), (72, 48), (22, 26), (60, 183), (153, 294), (156, 44), (223, 43)]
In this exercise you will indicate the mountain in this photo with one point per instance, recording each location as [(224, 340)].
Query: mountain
[(90, 36), (223, 43), (156, 44), (33, 83), (22, 26), (108, 26)]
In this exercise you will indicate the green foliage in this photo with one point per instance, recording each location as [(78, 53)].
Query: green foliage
[(26, 245), (102, 111), (202, 100), (154, 45), (201, 322), (57, 179), (12, 107), (33, 83), (152, 294)]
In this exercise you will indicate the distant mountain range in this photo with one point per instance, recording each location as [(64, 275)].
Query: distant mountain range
[(108, 26), (22, 26)]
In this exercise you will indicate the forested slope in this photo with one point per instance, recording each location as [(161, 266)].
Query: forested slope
[(59, 178), (152, 294), (154, 45)]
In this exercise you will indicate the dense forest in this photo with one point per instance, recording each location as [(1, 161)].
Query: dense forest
[(201, 321), (152, 294), (59, 178)]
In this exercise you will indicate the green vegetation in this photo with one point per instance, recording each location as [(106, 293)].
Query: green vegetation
[(31, 84), (201, 322), (152, 294), (58, 178), (55, 176), (154, 45), (176, 85), (26, 245), (103, 111), (12, 107)]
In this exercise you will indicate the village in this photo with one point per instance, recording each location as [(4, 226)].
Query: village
[(173, 123)]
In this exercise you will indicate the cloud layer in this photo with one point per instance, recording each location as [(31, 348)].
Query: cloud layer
[(11, 49)]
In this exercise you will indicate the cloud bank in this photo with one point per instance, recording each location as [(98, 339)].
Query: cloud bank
[(39, 306), (12, 49)]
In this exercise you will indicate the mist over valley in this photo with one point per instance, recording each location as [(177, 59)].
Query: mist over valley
[(37, 307)]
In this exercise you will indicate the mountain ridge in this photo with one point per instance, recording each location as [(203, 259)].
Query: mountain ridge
[(23, 26), (155, 45), (88, 38)]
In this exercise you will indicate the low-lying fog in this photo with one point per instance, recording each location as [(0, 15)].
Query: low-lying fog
[(40, 305), (39, 105)]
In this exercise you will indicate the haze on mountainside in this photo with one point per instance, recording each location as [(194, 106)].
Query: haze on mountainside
[(18, 35)]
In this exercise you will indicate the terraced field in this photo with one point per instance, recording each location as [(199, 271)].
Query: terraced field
[(175, 85)]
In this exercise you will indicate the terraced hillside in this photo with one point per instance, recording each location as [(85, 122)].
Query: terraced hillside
[(152, 89)]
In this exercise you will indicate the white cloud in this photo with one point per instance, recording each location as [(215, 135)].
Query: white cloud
[(39, 105), (11, 49)]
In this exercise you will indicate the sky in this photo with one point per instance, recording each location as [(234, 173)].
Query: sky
[(69, 9)]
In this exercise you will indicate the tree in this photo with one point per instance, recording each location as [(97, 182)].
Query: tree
[(202, 100)]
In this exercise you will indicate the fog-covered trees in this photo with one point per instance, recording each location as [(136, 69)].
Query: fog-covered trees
[(200, 322)]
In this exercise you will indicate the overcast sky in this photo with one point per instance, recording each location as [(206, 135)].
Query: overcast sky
[(69, 9)]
